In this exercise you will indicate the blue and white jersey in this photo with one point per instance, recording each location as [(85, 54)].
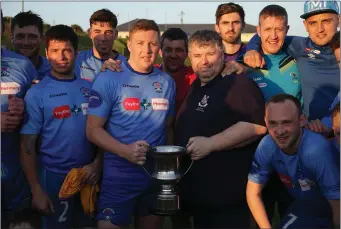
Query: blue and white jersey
[(44, 68), (310, 174), (56, 110), (17, 73), (87, 66), (135, 106)]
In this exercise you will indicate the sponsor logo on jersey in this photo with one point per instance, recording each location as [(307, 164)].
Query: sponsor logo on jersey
[(304, 185), (145, 104), (95, 99), (311, 56), (262, 85), (316, 51), (286, 180), (62, 112), (57, 95), (85, 91), (76, 110), (312, 51), (158, 87), (131, 104), (160, 104), (10, 88), (87, 68), (85, 108), (132, 86), (257, 78)]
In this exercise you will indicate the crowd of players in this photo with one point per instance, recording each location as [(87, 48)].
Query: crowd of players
[(260, 121)]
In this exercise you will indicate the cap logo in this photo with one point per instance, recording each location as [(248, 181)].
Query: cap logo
[(316, 5)]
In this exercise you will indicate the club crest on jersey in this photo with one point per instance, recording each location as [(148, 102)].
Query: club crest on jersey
[(294, 77), (108, 213), (203, 103), (95, 99), (76, 110), (158, 87), (85, 91), (145, 104), (4, 72)]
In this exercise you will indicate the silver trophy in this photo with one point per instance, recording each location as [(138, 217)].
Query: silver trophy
[(168, 172)]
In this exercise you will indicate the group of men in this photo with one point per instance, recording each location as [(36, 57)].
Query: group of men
[(100, 111)]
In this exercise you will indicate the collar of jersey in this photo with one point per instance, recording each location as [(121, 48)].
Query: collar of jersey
[(139, 73), (62, 80), (93, 55), (232, 54)]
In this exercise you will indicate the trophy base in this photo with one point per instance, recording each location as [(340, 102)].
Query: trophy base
[(166, 204)]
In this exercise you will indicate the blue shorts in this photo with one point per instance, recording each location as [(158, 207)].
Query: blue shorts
[(120, 210), (14, 188), (302, 214), (68, 212)]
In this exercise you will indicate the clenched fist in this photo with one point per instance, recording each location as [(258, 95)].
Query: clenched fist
[(137, 152)]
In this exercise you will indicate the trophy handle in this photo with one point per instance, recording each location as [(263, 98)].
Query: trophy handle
[(189, 167)]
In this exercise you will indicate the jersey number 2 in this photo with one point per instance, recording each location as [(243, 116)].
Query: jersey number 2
[(62, 217)]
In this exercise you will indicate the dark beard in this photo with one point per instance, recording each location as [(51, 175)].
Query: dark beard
[(235, 41)]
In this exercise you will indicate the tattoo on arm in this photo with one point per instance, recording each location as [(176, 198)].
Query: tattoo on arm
[(28, 143)]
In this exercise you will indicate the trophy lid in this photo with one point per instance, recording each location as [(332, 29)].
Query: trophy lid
[(168, 150)]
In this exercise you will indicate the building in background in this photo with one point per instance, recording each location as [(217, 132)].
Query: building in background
[(249, 31)]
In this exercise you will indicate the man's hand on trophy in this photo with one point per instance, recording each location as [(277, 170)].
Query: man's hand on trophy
[(137, 152), (199, 147)]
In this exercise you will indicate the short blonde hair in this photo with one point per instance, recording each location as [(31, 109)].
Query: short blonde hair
[(144, 25)]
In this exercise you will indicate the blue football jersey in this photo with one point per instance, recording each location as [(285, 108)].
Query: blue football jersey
[(136, 106), (17, 73), (281, 75), (56, 110), (44, 68), (309, 174), (87, 66), (319, 72)]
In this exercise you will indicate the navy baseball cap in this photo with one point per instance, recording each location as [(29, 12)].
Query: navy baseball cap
[(316, 7)]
